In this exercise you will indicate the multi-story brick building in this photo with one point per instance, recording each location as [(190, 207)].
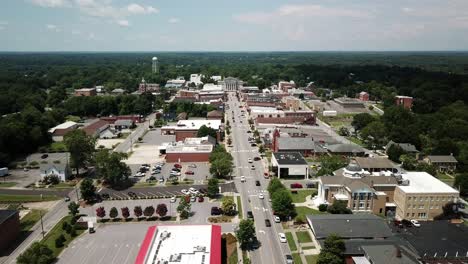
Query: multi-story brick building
[(189, 150), (9, 227), (148, 87), (363, 96), (85, 92), (189, 128), (405, 101)]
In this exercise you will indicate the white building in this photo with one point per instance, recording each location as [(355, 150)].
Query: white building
[(289, 164), (196, 78), (155, 66), (59, 131), (231, 84)]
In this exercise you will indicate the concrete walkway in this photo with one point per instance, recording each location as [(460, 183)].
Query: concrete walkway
[(303, 253), (308, 203)]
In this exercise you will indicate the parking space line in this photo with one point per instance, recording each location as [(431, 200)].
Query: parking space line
[(143, 194), (152, 194)]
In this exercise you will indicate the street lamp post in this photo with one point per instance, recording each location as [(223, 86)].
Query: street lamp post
[(42, 223)]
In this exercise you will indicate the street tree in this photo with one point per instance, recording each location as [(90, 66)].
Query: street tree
[(362, 120), (461, 182), (246, 233), (184, 208), (161, 210), (204, 131), (80, 146), (408, 162), (221, 168), (343, 131), (334, 244), (275, 185), (149, 211), (113, 213), (213, 188), (328, 258), (87, 189), (111, 169), (394, 153), (282, 204), (329, 164), (339, 207), (37, 253), (73, 208), (137, 211), (100, 212), (374, 134), (125, 212), (228, 206)]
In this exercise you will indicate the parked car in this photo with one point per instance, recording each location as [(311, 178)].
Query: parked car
[(282, 238), (67, 199), (257, 183), (175, 169), (260, 196), (296, 186), (184, 191), (289, 259), (415, 223), (248, 131), (173, 199), (253, 145), (203, 190), (193, 190), (406, 223), (152, 178), (252, 167), (266, 175), (174, 173), (105, 196), (250, 160), (192, 165), (139, 174), (250, 215), (161, 179), (193, 199), (178, 166), (310, 185), (201, 199), (155, 172), (215, 210), (242, 178), (267, 222), (277, 219), (189, 172), (257, 158)]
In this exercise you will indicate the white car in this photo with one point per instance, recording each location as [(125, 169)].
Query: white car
[(242, 178), (175, 173), (139, 174), (282, 238), (250, 160), (253, 167), (277, 219), (261, 196), (173, 199), (415, 223), (184, 191), (193, 191)]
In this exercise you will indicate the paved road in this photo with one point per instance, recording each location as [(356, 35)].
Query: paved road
[(125, 146), (50, 219), (271, 250)]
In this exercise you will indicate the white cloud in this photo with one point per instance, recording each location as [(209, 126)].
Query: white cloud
[(407, 9), (123, 23), (52, 27), (173, 20), (51, 3), (138, 9)]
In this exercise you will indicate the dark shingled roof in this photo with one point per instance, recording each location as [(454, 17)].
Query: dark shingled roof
[(289, 158), (442, 159), (6, 214), (405, 146), (349, 226), (297, 143)]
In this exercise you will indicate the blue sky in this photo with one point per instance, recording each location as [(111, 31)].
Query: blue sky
[(236, 25)]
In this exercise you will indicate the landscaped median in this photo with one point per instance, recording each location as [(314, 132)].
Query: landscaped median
[(299, 196), (11, 198)]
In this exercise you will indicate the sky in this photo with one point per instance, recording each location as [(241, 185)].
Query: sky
[(235, 25)]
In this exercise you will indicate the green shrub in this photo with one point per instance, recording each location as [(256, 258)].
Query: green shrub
[(323, 207)]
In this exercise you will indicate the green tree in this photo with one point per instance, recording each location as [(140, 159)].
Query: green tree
[(213, 188), (73, 208), (362, 120), (149, 211), (137, 211), (329, 164), (125, 212), (184, 208), (246, 233), (339, 207), (111, 168), (461, 182), (332, 251), (374, 134), (204, 131), (282, 204), (329, 258), (343, 131), (408, 162), (221, 168), (113, 213), (274, 185), (37, 253), (394, 153), (87, 189), (429, 168), (228, 206), (80, 146)]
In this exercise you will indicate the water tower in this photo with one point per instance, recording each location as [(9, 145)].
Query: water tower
[(155, 65)]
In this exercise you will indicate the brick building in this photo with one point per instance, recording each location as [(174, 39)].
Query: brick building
[(190, 150), (189, 128), (363, 96), (405, 101), (290, 111), (285, 86), (9, 227), (148, 87)]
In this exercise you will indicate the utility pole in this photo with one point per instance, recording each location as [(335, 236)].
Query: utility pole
[(42, 224)]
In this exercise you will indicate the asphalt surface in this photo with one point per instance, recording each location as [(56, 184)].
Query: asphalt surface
[(125, 146), (270, 250)]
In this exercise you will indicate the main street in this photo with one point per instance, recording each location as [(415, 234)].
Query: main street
[(270, 250)]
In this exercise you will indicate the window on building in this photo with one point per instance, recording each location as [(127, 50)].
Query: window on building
[(422, 215), (414, 206), (361, 205), (409, 206), (432, 207), (380, 211), (437, 198), (421, 199), (412, 215), (432, 198), (421, 206), (407, 214), (361, 196), (355, 196), (437, 206), (427, 198), (369, 196)]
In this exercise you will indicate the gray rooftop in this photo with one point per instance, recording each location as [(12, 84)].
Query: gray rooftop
[(6, 214), (374, 163), (345, 148), (289, 158), (389, 254), (442, 159), (404, 146), (297, 143), (349, 226)]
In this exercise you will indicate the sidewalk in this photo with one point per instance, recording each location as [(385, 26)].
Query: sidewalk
[(302, 253)]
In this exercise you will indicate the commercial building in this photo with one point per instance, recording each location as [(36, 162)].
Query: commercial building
[(374, 165), (177, 83), (215, 114), (231, 84), (147, 87), (59, 131), (407, 147), (96, 128), (290, 111), (282, 142), (289, 164), (350, 150), (405, 101), (133, 118), (422, 196), (285, 86), (86, 92), (189, 150), (196, 78), (9, 228), (443, 163), (52, 164), (182, 244), (347, 102), (189, 128), (363, 96)]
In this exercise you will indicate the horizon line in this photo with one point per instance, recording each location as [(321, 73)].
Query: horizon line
[(228, 51)]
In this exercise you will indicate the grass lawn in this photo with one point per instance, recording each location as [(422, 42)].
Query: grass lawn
[(8, 198), (49, 239), (443, 176), (311, 259), (297, 258), (302, 211), (29, 220), (292, 244), (7, 184), (233, 258), (239, 207), (303, 237), (308, 247), (356, 141), (301, 195), (57, 147), (448, 181), (245, 258), (64, 185)]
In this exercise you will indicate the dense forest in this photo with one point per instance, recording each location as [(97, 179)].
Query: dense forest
[(35, 88)]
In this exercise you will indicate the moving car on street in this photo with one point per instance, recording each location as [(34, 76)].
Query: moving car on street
[(282, 238)]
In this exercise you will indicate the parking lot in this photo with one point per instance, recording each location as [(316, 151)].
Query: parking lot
[(200, 172), (22, 178)]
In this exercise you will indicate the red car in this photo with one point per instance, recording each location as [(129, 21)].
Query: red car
[(296, 186), (200, 199), (177, 165), (189, 172)]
